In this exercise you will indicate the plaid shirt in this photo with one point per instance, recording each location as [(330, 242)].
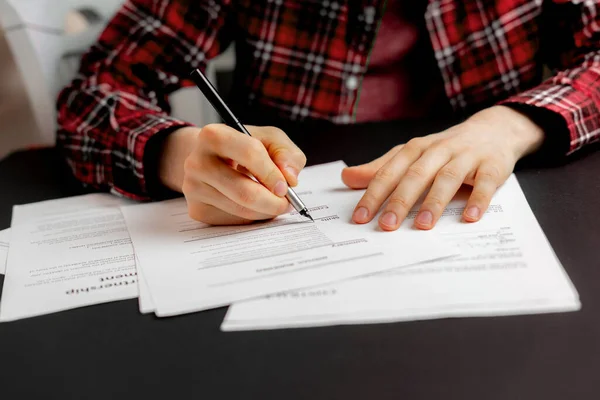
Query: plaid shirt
[(299, 57)]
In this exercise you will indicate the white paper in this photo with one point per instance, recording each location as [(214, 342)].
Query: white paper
[(65, 254), (4, 243), (506, 267), (190, 266), (146, 304)]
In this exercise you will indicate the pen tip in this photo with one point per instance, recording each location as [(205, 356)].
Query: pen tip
[(306, 214)]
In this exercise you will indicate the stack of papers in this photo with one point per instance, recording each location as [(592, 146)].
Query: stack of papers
[(506, 266), (66, 254), (188, 266), (287, 272)]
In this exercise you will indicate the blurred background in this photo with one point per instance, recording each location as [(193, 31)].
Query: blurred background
[(41, 42)]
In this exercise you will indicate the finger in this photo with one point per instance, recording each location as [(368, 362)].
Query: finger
[(383, 183), (447, 182), (240, 189), (213, 216), (487, 180), (247, 151), (358, 177), (283, 151), (206, 194), (417, 179)]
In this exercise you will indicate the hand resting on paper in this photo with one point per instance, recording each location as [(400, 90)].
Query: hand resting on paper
[(210, 166), (481, 152)]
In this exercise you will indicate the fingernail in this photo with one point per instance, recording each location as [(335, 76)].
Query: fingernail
[(292, 171), (389, 219), (280, 189), (361, 214), (425, 218), (473, 212)]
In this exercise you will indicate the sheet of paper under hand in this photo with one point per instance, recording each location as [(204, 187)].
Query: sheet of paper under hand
[(65, 254), (506, 267), (4, 242), (190, 266)]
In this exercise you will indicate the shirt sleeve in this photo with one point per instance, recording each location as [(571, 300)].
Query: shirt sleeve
[(117, 105), (570, 45)]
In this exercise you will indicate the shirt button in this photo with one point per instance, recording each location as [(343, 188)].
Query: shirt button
[(352, 83), (370, 11), (369, 15)]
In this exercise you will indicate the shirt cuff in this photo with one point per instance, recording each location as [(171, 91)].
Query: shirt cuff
[(138, 178), (152, 152), (556, 143), (573, 102)]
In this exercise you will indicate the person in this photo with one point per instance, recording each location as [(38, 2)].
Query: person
[(340, 61)]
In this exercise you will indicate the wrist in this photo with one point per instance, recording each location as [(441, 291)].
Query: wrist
[(525, 135), (176, 148)]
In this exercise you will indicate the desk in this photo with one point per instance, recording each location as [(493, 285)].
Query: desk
[(111, 351)]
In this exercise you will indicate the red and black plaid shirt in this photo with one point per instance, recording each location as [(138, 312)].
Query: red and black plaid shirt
[(300, 55)]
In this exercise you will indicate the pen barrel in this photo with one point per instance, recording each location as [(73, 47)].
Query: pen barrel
[(294, 200)]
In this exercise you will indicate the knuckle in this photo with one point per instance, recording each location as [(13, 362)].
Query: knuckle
[(416, 144), (450, 174), (480, 197), (300, 157), (490, 172), (210, 131), (441, 148), (280, 153), (416, 171), (369, 199), (434, 201), (255, 147), (276, 132), (252, 151), (399, 202), (274, 175), (383, 175)]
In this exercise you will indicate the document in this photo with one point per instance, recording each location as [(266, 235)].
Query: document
[(506, 266), (65, 254), (4, 242), (189, 266)]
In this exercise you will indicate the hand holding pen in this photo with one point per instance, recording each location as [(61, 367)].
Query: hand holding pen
[(215, 178), (256, 149)]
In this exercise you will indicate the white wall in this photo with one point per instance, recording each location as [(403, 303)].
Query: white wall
[(17, 123), (18, 127)]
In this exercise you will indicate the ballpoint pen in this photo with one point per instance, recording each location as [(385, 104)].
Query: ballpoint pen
[(229, 118)]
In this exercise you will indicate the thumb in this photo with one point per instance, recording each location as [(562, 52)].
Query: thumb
[(360, 176), (283, 151)]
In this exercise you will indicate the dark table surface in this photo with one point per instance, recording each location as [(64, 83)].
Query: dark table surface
[(111, 351)]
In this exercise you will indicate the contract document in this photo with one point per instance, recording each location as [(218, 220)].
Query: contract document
[(189, 266), (4, 243), (506, 266), (65, 254)]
